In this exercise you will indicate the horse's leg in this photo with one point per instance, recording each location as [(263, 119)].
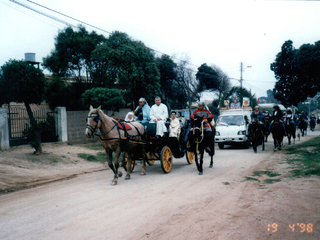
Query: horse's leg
[(280, 143), (275, 144), (145, 158), (115, 167), (289, 138), (211, 162), (128, 175), (201, 161), (196, 158)]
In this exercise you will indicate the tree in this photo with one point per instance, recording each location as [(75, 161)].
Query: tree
[(171, 93), (187, 82), (23, 83), (297, 72), (208, 78), (224, 84), (108, 99), (130, 65), (72, 53)]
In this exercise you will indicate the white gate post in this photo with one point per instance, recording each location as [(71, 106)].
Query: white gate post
[(4, 129), (61, 123)]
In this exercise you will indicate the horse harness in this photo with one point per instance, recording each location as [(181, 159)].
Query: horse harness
[(96, 118)]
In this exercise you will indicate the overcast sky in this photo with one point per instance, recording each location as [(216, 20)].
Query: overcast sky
[(223, 33)]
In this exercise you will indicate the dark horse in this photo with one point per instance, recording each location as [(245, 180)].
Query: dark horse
[(277, 130), (302, 125), (256, 135), (265, 127), (200, 140), (312, 123), (290, 129)]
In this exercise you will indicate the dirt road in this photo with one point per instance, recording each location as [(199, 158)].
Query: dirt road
[(221, 204)]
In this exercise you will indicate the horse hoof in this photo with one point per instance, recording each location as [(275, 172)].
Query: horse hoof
[(211, 166), (143, 172), (114, 182), (274, 150), (119, 174), (127, 177), (200, 173)]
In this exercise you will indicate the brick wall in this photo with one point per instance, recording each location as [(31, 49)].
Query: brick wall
[(76, 124)]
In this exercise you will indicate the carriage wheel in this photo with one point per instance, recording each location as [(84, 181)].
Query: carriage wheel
[(189, 155), (150, 156), (125, 162), (166, 159)]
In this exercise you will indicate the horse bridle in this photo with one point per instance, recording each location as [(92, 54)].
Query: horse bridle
[(96, 118), (201, 130)]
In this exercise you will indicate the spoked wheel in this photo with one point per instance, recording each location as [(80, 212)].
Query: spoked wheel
[(166, 159), (150, 157), (189, 155), (125, 162)]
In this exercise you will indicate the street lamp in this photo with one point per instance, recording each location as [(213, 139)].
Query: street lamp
[(241, 71)]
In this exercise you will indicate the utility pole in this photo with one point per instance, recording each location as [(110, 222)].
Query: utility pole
[(241, 70)]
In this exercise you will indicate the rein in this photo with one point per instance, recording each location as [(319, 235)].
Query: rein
[(202, 136), (96, 117)]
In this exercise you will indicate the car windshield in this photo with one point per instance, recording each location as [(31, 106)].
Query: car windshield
[(230, 120)]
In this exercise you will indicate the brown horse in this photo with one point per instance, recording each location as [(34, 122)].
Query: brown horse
[(116, 138)]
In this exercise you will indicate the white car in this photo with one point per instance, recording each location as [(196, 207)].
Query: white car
[(231, 129)]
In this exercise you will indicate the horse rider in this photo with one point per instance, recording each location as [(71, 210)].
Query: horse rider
[(304, 116), (277, 113), (266, 114), (142, 112), (289, 118), (257, 114), (159, 114), (208, 124)]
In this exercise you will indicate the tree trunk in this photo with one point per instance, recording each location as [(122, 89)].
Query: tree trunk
[(36, 130)]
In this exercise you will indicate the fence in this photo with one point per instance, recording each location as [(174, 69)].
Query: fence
[(20, 131)]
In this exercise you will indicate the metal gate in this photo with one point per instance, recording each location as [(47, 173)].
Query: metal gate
[(20, 131)]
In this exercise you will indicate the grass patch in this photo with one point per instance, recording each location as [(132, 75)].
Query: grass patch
[(100, 157), (226, 183), (95, 147), (305, 157), (251, 179), (44, 157), (270, 181), (267, 172)]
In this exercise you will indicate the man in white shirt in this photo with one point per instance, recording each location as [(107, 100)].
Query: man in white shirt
[(159, 114)]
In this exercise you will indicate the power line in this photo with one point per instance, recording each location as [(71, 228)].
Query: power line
[(93, 27)]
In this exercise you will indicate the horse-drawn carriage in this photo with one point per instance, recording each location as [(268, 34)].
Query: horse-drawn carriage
[(137, 141), (160, 148)]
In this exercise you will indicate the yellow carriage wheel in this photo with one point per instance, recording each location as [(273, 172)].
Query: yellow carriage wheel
[(189, 155), (166, 159), (125, 161)]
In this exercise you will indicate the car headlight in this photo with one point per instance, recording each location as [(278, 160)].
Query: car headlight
[(217, 133), (242, 132)]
